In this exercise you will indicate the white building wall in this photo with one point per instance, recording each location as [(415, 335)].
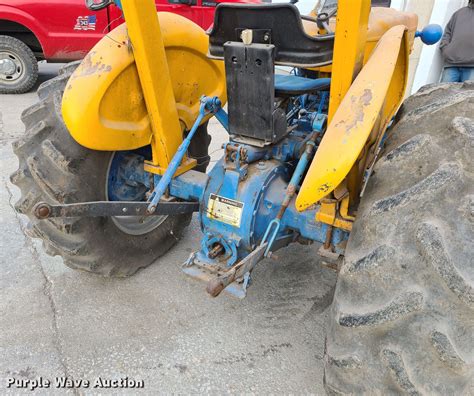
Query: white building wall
[(425, 61), (430, 65)]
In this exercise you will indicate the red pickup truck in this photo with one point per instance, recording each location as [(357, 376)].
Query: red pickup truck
[(65, 30)]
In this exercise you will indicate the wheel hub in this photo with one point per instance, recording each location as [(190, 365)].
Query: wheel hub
[(11, 67), (127, 181)]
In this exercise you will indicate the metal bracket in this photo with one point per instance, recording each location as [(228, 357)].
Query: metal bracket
[(219, 283), (208, 106), (233, 280), (43, 210)]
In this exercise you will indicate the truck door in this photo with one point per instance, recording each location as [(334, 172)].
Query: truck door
[(71, 29), (190, 9)]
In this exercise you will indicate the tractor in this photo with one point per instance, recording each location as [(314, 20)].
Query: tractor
[(113, 165)]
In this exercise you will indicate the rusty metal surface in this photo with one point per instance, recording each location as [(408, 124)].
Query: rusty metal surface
[(159, 325), (219, 283), (43, 210)]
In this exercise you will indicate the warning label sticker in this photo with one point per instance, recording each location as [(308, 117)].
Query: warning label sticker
[(225, 210)]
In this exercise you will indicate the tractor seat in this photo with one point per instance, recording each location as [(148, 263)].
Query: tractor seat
[(290, 85)]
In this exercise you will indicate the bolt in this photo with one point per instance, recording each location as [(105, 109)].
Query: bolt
[(42, 211)]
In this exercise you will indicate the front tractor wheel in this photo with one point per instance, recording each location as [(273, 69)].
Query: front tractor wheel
[(402, 318), (54, 168)]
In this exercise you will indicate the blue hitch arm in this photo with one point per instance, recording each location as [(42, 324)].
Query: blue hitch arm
[(214, 106), (208, 105)]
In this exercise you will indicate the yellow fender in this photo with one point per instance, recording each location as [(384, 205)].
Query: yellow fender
[(371, 102), (103, 104)]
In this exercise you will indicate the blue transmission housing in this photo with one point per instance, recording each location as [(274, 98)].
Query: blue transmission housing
[(246, 188), (241, 199)]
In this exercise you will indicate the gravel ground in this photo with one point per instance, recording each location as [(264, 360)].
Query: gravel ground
[(158, 326)]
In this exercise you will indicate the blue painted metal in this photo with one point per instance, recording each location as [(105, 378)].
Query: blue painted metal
[(291, 83), (301, 167), (189, 186), (275, 225), (322, 103), (229, 254), (126, 180), (319, 122), (214, 106), (257, 178), (255, 183), (260, 194), (208, 105), (430, 34), (175, 162)]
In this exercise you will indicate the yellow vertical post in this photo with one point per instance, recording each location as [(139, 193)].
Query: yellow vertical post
[(351, 35), (146, 39)]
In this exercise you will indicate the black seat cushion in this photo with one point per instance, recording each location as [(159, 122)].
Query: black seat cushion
[(277, 24)]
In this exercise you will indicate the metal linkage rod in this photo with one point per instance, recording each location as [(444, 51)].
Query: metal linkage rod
[(290, 192), (208, 106)]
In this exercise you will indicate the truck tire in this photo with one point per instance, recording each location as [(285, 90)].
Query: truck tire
[(402, 317), (55, 169), (18, 66)]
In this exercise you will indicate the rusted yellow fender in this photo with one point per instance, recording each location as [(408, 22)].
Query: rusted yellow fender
[(375, 94), (103, 104)]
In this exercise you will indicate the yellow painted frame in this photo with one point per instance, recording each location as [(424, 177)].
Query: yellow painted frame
[(351, 36), (364, 113), (146, 39)]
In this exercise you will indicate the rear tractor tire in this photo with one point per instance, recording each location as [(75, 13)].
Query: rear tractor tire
[(55, 169), (402, 319)]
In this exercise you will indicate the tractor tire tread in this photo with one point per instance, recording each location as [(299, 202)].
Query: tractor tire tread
[(402, 315), (56, 169)]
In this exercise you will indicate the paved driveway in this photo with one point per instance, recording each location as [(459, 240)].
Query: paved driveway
[(158, 326)]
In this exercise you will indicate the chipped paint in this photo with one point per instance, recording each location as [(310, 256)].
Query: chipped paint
[(97, 120), (325, 187), (370, 97), (359, 104), (89, 67)]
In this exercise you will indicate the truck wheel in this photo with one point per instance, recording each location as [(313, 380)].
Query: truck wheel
[(18, 66), (55, 169), (402, 318)]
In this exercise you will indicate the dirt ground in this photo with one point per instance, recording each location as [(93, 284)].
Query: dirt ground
[(158, 326)]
